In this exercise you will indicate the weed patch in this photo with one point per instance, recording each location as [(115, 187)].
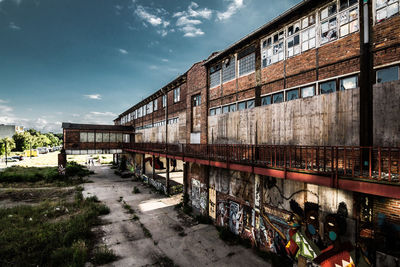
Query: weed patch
[(135, 190), (103, 255)]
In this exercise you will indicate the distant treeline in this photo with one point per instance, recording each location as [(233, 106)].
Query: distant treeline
[(29, 139)]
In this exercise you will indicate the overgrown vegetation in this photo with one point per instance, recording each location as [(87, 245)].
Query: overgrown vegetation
[(18, 174), (53, 233), (135, 190), (103, 255)]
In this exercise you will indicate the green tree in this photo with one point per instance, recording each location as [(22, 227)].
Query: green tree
[(10, 145), (22, 141)]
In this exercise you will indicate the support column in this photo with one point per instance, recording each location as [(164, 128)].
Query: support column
[(167, 179), (143, 164), (185, 180), (153, 173)]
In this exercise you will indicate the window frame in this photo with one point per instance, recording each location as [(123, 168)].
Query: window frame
[(377, 9), (231, 65), (266, 97), (217, 68), (326, 82), (387, 67), (177, 95), (287, 92), (248, 72)]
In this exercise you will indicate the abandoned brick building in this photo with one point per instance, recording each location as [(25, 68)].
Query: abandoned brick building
[(289, 137)]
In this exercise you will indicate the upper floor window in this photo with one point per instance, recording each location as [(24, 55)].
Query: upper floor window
[(247, 64), (177, 94), (155, 104), (228, 69), (307, 91), (348, 21), (327, 87), (308, 40), (149, 108), (328, 23), (215, 75), (139, 112), (277, 98), (386, 8), (273, 49), (292, 94), (164, 101), (196, 100), (387, 74), (215, 111), (293, 40), (349, 83), (144, 110), (229, 108), (266, 100), (246, 104)]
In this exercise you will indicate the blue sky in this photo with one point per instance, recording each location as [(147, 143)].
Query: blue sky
[(86, 61)]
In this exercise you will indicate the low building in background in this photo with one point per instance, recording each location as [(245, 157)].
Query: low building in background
[(10, 130)]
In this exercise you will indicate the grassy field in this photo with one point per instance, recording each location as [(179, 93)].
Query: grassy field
[(52, 233), (43, 176)]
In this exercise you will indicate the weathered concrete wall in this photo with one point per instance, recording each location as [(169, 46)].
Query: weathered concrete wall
[(329, 119), (386, 109)]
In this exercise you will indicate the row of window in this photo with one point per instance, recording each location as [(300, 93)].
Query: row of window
[(336, 20), (158, 124), (93, 151), (233, 107), (150, 107), (91, 137), (388, 74)]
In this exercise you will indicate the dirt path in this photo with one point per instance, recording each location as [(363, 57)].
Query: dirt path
[(173, 237)]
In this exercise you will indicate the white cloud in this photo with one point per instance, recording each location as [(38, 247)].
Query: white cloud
[(189, 20), (107, 113), (123, 51), (14, 27), (94, 96), (4, 109), (153, 67), (2, 100), (154, 20), (232, 9), (164, 60), (150, 18)]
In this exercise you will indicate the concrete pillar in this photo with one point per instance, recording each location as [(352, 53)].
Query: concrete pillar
[(185, 180), (167, 178), (143, 164), (153, 173)]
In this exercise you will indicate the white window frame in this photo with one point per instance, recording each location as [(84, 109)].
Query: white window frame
[(155, 104), (383, 9)]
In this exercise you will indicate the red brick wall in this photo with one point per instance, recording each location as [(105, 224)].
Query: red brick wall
[(339, 50), (386, 33)]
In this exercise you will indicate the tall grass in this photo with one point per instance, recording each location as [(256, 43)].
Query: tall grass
[(50, 234), (18, 174)]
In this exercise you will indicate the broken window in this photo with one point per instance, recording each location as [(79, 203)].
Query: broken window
[(155, 104), (83, 137), (348, 21), (196, 100), (349, 83), (277, 98), (387, 74), (149, 108), (385, 9), (228, 69), (327, 87), (328, 23), (347, 3), (266, 100), (307, 91), (215, 75), (247, 64), (177, 94), (292, 94), (273, 49), (293, 41)]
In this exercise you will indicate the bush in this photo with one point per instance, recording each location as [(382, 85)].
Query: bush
[(136, 190), (103, 255)]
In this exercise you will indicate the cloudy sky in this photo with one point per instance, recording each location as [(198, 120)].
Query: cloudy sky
[(89, 60)]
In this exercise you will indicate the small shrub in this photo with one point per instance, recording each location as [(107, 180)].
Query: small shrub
[(93, 199), (103, 209), (136, 190), (103, 255)]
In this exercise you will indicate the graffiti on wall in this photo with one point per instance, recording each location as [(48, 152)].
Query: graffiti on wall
[(212, 204), (257, 192), (235, 217), (199, 195)]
